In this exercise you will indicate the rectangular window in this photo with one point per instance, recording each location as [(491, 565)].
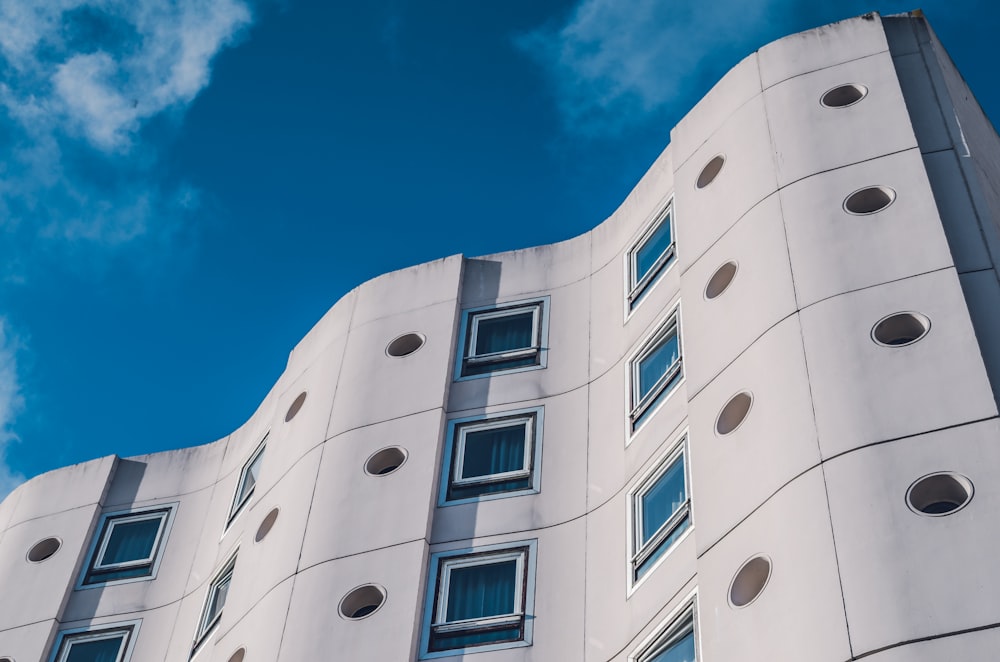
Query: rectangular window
[(675, 644), (481, 600), (218, 590), (649, 257), (111, 644), (492, 456), (248, 480), (656, 370), (661, 512), (128, 546), (508, 337)]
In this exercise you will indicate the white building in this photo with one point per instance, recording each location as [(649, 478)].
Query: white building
[(749, 417)]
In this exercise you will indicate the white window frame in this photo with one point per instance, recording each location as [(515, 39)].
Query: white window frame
[(442, 564), (459, 462), (238, 503), (637, 286), (676, 625), (639, 550), (641, 405), (469, 335), (208, 621), (94, 567), (66, 639)]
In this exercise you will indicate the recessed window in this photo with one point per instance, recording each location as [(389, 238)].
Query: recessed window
[(128, 546), (900, 329), (42, 550), (655, 371), (266, 525), (675, 644), (296, 406), (482, 600), (843, 96), (238, 656), (218, 591), (869, 200), (111, 644), (504, 338), (720, 280), (405, 345), (362, 601), (648, 259), (661, 512), (385, 461), (248, 480), (939, 494), (750, 581), (734, 413), (710, 171)]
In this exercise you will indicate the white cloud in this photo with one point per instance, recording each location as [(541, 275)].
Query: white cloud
[(11, 404)]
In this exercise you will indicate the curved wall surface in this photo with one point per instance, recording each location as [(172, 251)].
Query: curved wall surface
[(621, 422)]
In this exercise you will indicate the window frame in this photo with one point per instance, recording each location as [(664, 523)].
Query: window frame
[(469, 334), (458, 429), (637, 286), (92, 571), (523, 553), (240, 503), (66, 639), (641, 407), (640, 551), (678, 624), (207, 622)]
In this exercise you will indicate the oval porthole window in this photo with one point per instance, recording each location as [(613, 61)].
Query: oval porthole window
[(385, 461), (295, 406), (266, 525), (44, 549), (362, 601), (710, 171), (238, 655), (720, 280), (900, 329), (750, 581), (405, 344), (869, 200), (843, 96), (939, 494), (734, 413)]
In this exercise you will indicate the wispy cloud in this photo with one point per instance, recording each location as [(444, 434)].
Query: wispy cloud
[(11, 404)]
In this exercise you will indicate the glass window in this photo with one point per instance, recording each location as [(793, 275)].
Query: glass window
[(127, 546), (216, 600), (676, 644), (650, 256), (656, 369), (107, 645), (492, 455), (480, 599), (248, 480), (661, 512), (503, 338)]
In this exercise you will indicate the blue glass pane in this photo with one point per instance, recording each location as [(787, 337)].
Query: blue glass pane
[(493, 451), (650, 251), (662, 547), (441, 641), (657, 364), (680, 651), (131, 541), (481, 590), (663, 499), (250, 478), (504, 334), (101, 650)]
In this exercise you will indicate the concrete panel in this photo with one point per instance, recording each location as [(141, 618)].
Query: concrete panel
[(775, 443), (922, 103), (185, 626), (737, 87), (864, 392), (27, 643), (958, 216), (810, 138), (408, 290), (7, 509), (899, 35), (377, 511), (70, 487), (968, 646), (907, 576), (539, 269), (759, 296), (821, 47), (333, 326), (259, 630), (982, 294), (747, 177), (314, 627), (801, 599), (215, 541), (164, 475), (823, 239)]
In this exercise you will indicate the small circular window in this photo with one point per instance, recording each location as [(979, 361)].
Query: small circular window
[(266, 525), (900, 329), (869, 200), (843, 96), (939, 494), (710, 171), (385, 461), (720, 280), (750, 581), (295, 406), (405, 344), (734, 413), (238, 655), (44, 549), (362, 601)]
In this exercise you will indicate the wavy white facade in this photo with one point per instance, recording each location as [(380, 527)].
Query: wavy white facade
[(596, 436)]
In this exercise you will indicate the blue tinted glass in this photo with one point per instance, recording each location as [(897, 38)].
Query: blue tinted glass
[(504, 334), (101, 650), (481, 590), (663, 499), (657, 364), (131, 541), (493, 451), (680, 651), (647, 254)]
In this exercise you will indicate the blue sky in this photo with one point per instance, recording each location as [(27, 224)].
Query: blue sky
[(186, 186)]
